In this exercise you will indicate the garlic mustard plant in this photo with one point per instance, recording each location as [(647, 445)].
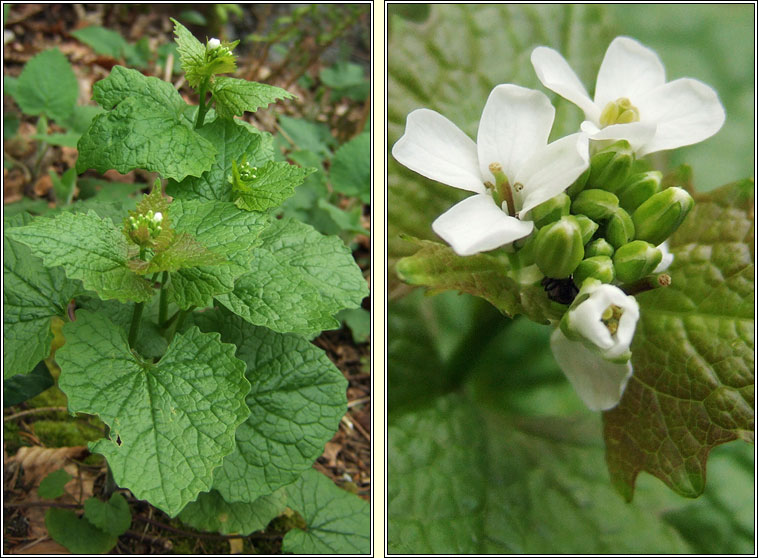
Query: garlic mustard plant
[(189, 318), (632, 99), (511, 168)]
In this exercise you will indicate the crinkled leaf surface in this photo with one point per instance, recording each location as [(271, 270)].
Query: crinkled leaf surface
[(222, 229), (337, 522), (212, 513), (32, 295), (693, 352), (48, 86), (89, 248), (296, 401), (518, 457), (450, 63), (235, 96), (112, 517), (274, 183), (438, 267), (464, 480), (297, 281), (351, 168), (235, 140), (143, 128), (76, 533), (171, 422)]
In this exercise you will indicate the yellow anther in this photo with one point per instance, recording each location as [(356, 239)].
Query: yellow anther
[(620, 111)]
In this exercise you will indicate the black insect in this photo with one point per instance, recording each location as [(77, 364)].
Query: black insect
[(562, 291)]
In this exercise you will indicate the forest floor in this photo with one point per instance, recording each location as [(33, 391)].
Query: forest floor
[(39, 435)]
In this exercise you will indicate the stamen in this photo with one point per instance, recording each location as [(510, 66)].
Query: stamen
[(503, 188), (620, 111)]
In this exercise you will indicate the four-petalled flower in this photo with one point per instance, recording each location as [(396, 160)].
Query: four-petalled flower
[(592, 343), (511, 168), (632, 99)]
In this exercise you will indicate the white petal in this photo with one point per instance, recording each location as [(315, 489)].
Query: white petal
[(436, 148), (477, 224), (667, 260), (598, 382), (515, 122), (630, 70), (685, 110), (556, 74), (638, 134), (551, 170)]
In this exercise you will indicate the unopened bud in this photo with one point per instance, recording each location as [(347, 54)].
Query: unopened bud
[(597, 267), (638, 188), (596, 204), (559, 248), (598, 247), (635, 260), (657, 218), (213, 43), (620, 228), (578, 184), (158, 217), (610, 167), (587, 226), (551, 210)]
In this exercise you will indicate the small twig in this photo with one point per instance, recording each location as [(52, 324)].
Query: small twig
[(169, 67), (359, 401), (34, 411), (355, 424)]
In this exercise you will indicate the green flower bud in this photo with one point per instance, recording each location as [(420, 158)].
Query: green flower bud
[(638, 188), (587, 226), (598, 205), (635, 260), (597, 267), (620, 228), (559, 248), (551, 210), (598, 247), (578, 184), (610, 167), (657, 218)]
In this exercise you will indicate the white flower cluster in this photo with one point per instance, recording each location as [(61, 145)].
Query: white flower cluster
[(512, 169)]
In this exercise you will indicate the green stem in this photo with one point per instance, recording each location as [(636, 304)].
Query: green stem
[(136, 319), (163, 304), (178, 322), (203, 108)]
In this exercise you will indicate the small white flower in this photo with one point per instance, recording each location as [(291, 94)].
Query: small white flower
[(213, 43), (592, 344), (632, 99), (158, 217), (511, 162)]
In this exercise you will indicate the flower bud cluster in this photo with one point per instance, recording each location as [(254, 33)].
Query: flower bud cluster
[(215, 49), (144, 228), (610, 223)]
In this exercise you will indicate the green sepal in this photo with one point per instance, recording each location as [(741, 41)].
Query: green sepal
[(598, 247), (610, 167), (559, 247), (638, 188), (587, 226), (657, 218), (551, 210), (578, 184), (597, 267), (596, 204), (619, 229), (635, 260)]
